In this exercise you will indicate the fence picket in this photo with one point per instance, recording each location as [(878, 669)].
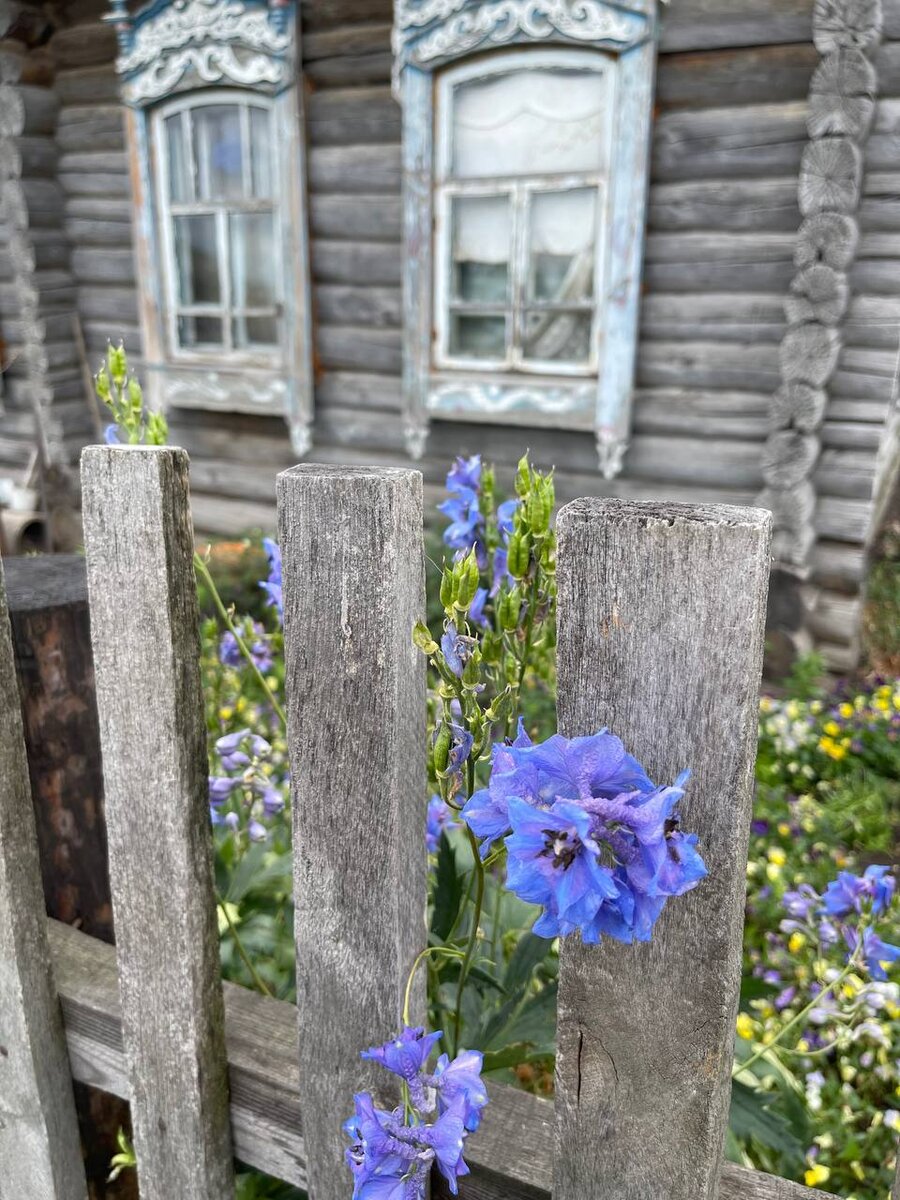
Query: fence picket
[(40, 1150), (661, 618), (353, 570), (144, 631)]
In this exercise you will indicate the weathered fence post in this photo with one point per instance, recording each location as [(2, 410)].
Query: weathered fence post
[(145, 635), (48, 612), (40, 1152), (354, 586), (661, 620)]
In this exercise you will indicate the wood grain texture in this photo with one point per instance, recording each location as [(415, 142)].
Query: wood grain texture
[(354, 586), (144, 628), (40, 1152), (818, 294), (830, 176), (827, 238), (511, 1158), (661, 623), (841, 23)]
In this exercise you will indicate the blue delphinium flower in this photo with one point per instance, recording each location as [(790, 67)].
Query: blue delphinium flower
[(590, 837), (456, 649), (849, 893), (476, 609), (257, 643), (440, 818), (111, 435), (878, 955), (233, 748), (463, 507), (392, 1152), (272, 585)]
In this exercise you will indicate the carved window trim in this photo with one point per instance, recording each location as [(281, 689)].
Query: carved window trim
[(430, 35), (193, 52)]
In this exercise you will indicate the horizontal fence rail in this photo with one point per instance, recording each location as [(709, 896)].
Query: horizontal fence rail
[(511, 1157), (660, 630)]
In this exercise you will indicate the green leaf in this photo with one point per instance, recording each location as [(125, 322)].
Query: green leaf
[(752, 1117), (509, 1056), (448, 890), (529, 953)]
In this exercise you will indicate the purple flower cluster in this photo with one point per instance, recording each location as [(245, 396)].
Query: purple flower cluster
[(392, 1152), (241, 753), (440, 818), (845, 909), (257, 643), (467, 528), (589, 837), (272, 585)]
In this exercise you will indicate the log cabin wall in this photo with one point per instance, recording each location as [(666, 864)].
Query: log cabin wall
[(730, 129)]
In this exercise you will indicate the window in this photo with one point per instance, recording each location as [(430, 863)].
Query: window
[(218, 209), (217, 147), (521, 191), (526, 136)]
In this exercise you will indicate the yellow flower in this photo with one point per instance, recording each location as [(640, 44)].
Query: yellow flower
[(832, 728), (765, 704), (817, 1174), (226, 713), (777, 855), (792, 709), (745, 1026), (882, 704), (816, 707), (802, 1046), (784, 829), (846, 710), (796, 941), (892, 1010), (240, 704), (773, 872), (830, 747)]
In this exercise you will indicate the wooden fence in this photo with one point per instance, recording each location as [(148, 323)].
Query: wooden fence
[(661, 614)]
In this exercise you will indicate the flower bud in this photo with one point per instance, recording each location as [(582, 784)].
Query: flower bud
[(469, 578), (518, 554), (523, 476), (442, 741), (509, 609), (471, 675), (423, 640), (117, 363), (449, 585)]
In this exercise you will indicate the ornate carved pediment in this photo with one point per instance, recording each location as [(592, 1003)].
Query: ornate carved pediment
[(166, 48), (428, 33)]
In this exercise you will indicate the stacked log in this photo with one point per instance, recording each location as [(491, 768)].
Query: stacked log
[(842, 99), (37, 296)]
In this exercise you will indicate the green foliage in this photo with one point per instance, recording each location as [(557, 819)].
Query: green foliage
[(122, 394)]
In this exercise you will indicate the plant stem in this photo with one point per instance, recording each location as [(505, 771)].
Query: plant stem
[(473, 938), (258, 982), (201, 567), (420, 958), (795, 1021)]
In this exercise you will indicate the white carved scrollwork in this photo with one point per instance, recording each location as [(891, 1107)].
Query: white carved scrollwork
[(211, 41), (428, 32)]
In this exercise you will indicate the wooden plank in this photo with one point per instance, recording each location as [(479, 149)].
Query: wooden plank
[(746, 204), (348, 56), (369, 217), (759, 74), (747, 141), (355, 169), (354, 586), (661, 625), (51, 633), (708, 24), (40, 1152), (139, 545), (511, 1157), (353, 116)]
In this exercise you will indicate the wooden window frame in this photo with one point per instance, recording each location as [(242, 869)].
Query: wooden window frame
[(177, 58), (437, 44)]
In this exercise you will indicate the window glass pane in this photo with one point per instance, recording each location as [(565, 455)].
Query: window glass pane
[(253, 265), (217, 151), (561, 240), (179, 177), (532, 121), (196, 259), (255, 331), (481, 243), (199, 331), (261, 152), (477, 337), (557, 337)]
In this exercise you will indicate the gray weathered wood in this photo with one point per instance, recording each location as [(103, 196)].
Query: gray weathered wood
[(830, 176), (829, 238), (791, 507), (818, 293), (809, 354), (798, 405), (788, 458), (144, 630), (511, 1158), (40, 1151), (354, 581), (839, 23), (842, 95), (661, 623)]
